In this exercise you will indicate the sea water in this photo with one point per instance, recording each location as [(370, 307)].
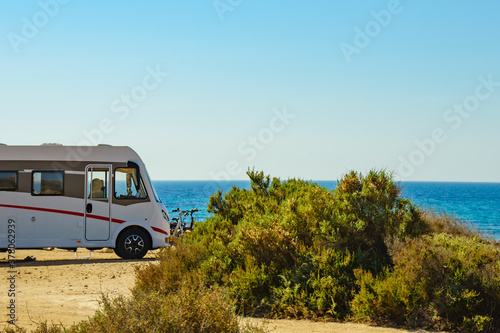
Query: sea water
[(476, 203)]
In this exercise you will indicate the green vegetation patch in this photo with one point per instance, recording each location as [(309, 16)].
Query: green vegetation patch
[(361, 252), (295, 249)]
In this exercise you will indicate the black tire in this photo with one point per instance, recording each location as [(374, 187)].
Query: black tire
[(132, 244)]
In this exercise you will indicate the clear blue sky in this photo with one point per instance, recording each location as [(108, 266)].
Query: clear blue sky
[(309, 89)]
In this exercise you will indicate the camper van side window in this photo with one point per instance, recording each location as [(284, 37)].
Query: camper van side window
[(8, 180), (47, 183), (127, 186)]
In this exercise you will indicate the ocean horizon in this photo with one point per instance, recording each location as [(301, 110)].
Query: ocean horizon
[(477, 203)]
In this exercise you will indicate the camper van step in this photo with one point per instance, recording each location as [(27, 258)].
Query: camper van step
[(83, 257)]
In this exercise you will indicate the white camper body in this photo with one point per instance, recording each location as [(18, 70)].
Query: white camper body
[(71, 197)]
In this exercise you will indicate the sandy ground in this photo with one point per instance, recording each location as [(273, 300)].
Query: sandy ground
[(59, 288)]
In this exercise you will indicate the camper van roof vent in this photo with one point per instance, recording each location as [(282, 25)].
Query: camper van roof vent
[(104, 145), (51, 144)]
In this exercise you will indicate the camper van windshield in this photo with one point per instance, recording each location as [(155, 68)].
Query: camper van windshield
[(127, 186), (153, 187)]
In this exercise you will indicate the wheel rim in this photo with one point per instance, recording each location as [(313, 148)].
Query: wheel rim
[(134, 244)]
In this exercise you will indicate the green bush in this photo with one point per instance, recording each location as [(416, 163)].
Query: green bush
[(370, 215), (295, 249), (189, 309), (176, 267), (290, 248), (186, 310), (439, 281), (437, 223)]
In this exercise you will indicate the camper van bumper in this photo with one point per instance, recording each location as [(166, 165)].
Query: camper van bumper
[(159, 238)]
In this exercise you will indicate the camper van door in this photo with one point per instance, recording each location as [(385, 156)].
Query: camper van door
[(97, 202)]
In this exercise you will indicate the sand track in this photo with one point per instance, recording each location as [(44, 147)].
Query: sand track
[(59, 288)]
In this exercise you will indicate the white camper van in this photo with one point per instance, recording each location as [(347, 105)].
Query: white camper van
[(71, 197)]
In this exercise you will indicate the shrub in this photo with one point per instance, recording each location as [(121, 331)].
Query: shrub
[(187, 310), (370, 215), (438, 281), (437, 223), (295, 249), (176, 266), (289, 248), (322, 286)]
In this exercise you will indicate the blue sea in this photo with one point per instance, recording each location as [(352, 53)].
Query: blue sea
[(476, 203)]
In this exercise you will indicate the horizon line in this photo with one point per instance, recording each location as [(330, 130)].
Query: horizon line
[(323, 180)]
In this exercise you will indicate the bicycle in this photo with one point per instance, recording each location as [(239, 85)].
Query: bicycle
[(178, 227)]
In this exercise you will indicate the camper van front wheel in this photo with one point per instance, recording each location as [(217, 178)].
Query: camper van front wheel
[(132, 244)]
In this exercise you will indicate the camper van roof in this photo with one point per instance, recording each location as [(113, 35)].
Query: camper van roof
[(99, 153)]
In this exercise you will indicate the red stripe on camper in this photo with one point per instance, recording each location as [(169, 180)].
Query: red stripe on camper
[(48, 210), (66, 212), (159, 230), (104, 218)]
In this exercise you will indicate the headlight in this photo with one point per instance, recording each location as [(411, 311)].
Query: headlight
[(165, 216)]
